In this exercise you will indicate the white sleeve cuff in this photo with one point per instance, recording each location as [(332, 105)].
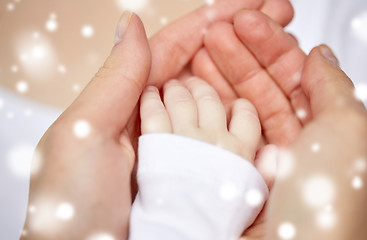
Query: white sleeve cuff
[(190, 189)]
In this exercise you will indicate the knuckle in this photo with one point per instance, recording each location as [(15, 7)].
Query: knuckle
[(151, 109), (247, 76), (206, 95), (176, 94), (109, 71), (106, 69), (202, 90), (155, 124)]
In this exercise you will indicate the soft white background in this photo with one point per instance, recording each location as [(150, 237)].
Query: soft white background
[(342, 24)]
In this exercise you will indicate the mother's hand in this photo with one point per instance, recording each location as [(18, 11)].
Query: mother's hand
[(83, 186), (257, 60), (327, 161), (325, 141)]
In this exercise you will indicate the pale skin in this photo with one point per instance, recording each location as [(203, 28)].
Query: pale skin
[(193, 109), (94, 173)]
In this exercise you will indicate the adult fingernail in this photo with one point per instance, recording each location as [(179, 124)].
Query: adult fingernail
[(122, 25), (328, 53)]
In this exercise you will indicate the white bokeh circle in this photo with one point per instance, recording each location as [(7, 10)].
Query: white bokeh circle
[(286, 231)]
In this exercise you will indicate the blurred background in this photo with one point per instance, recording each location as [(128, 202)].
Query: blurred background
[(49, 50)]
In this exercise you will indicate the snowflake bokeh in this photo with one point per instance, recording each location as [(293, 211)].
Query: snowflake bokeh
[(64, 211), (318, 191), (52, 24), (135, 6), (254, 198), (87, 31), (361, 165), (32, 209), (82, 129), (10, 115), (286, 164), (14, 68), (315, 147), (19, 160), (62, 69), (361, 92), (301, 113), (164, 20), (101, 236), (22, 86), (358, 25), (326, 219), (287, 231), (28, 112), (357, 182), (10, 7)]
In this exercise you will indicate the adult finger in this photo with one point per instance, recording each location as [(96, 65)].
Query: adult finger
[(109, 99), (281, 11), (204, 67), (327, 86), (278, 53), (175, 45), (251, 81)]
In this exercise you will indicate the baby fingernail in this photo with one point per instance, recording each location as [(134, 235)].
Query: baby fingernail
[(122, 25), (328, 53), (151, 89), (191, 79), (174, 81)]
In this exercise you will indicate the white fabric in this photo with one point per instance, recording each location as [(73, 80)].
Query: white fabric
[(190, 189)]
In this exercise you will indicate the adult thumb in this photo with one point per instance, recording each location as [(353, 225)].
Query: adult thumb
[(109, 99), (328, 88)]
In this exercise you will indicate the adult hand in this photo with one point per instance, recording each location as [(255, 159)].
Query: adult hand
[(324, 183), (255, 59), (265, 65), (83, 186)]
